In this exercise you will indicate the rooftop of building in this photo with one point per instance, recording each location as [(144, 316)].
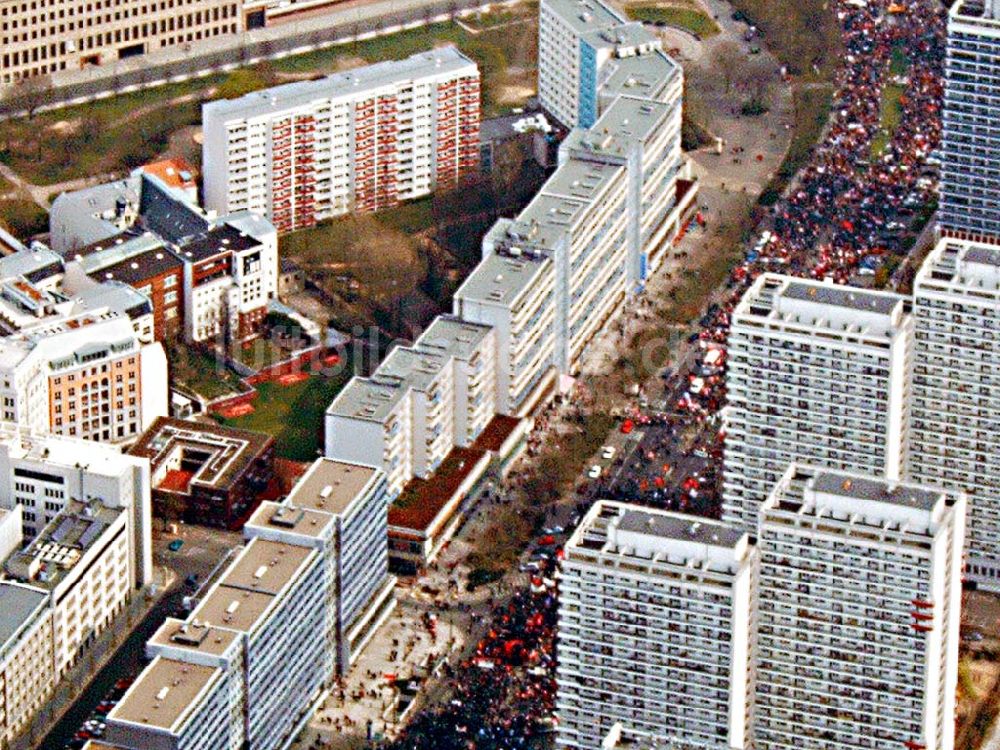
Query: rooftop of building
[(117, 296), (34, 264), (501, 279), (422, 500), (138, 269), (841, 309), (578, 180), (235, 609), (962, 263), (164, 693), (64, 452), (631, 35), (175, 173), (218, 240), (453, 336), (94, 213), (368, 399), (647, 534), (62, 543), (585, 15), (419, 369), (292, 519), (856, 498), (265, 567), (214, 455), (437, 62), (331, 486), (194, 635), (647, 75), (629, 120), (19, 605), (976, 10), (59, 340)]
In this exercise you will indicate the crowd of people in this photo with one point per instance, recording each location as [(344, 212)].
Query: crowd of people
[(846, 214)]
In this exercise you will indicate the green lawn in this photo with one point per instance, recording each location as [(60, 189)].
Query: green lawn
[(293, 414), (899, 64), (891, 114), (687, 19), (200, 372), (23, 218)]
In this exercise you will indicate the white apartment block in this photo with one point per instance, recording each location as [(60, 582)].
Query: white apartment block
[(85, 375), (340, 509), (472, 348), (655, 617), (817, 373), (589, 54), (515, 294), (27, 669), (44, 474), (352, 142), (859, 600), (955, 404)]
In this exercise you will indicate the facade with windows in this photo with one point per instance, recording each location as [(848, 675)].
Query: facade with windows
[(816, 373), (955, 407), (655, 630), (355, 142), (970, 147), (859, 606)]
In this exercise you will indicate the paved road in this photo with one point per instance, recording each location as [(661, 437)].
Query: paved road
[(357, 20)]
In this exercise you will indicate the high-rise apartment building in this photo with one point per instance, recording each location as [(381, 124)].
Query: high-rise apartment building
[(955, 406), (859, 600), (655, 615), (356, 141), (970, 146), (817, 373)]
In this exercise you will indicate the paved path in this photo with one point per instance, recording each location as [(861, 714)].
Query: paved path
[(40, 193)]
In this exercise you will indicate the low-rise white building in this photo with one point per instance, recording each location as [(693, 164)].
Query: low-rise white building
[(858, 615), (816, 373), (655, 615)]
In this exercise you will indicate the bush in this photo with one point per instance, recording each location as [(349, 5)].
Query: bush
[(753, 108), (483, 577)]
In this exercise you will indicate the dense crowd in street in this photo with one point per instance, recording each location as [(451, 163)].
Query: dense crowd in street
[(846, 216)]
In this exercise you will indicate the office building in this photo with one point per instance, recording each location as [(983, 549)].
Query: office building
[(816, 373), (340, 509), (85, 562), (859, 601), (206, 473), (655, 629), (85, 375), (954, 406), (970, 143), (355, 142), (43, 474), (206, 278)]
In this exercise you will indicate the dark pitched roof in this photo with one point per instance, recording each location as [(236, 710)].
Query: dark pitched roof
[(168, 216)]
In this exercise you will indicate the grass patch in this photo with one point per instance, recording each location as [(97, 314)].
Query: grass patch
[(803, 34), (199, 371), (688, 19), (899, 63), (23, 218), (293, 414), (890, 115), (812, 110)]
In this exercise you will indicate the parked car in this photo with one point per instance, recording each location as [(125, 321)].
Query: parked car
[(175, 545)]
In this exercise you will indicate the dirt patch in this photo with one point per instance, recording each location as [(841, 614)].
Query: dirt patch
[(65, 127)]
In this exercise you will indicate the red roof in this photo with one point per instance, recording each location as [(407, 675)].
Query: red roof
[(176, 480)]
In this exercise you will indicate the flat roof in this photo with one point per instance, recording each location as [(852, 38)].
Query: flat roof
[(676, 526), (18, 605), (646, 75), (454, 336), (550, 216), (501, 279), (164, 693), (194, 636), (231, 608), (580, 180), (291, 518), (436, 62), (368, 399), (423, 499), (228, 452), (331, 486), (851, 298), (35, 264), (627, 121), (220, 239), (585, 15), (265, 566), (877, 490), (418, 368)]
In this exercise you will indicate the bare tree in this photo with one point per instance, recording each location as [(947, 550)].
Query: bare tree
[(729, 59), (756, 79), (30, 93)]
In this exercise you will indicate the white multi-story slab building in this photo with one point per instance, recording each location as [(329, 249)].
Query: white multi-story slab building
[(955, 401), (341, 510), (655, 629), (355, 141), (817, 373), (859, 601)]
